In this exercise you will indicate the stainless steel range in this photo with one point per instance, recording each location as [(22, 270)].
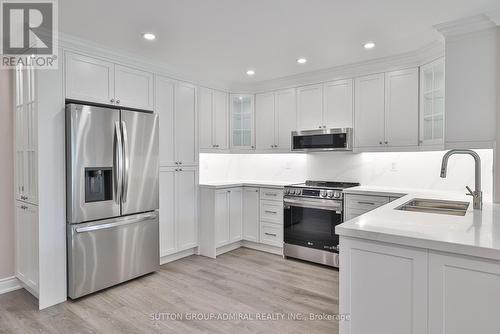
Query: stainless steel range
[(311, 212)]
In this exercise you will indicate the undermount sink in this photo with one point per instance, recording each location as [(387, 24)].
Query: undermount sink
[(454, 208)]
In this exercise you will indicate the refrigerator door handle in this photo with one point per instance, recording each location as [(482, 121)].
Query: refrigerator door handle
[(126, 161), (104, 226), (117, 163)]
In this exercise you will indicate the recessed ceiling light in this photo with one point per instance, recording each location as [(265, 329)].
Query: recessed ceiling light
[(250, 72), (149, 36), (302, 60), (369, 45)]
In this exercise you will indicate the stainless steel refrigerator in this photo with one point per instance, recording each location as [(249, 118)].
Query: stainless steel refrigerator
[(112, 167)]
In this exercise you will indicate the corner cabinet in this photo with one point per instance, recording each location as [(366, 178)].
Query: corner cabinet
[(276, 115), (96, 80), (242, 121), (213, 119), (432, 106)]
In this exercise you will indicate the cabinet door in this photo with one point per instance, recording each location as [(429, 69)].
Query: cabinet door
[(459, 285), (89, 79), (186, 151), (369, 111), (401, 108), (164, 106), (251, 214), (242, 121), (235, 214), (19, 135), (205, 125), (310, 107), (186, 203), (221, 217), (133, 88), (220, 119), (27, 244), (338, 104), (167, 212), (285, 118), (380, 279), (432, 96), (265, 121)]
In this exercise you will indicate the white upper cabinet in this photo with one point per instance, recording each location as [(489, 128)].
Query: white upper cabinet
[(133, 88), (265, 121), (276, 116), (432, 103), (369, 111), (176, 105), (213, 119), (338, 104), (401, 108), (242, 121), (285, 116), (90, 79), (310, 107), (165, 91), (186, 152)]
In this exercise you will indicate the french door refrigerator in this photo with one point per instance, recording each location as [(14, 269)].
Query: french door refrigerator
[(112, 167)]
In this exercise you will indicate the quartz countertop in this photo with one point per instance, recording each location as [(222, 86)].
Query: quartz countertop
[(245, 183), (475, 234)]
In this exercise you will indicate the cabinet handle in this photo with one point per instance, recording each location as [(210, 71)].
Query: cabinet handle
[(271, 194), (117, 101), (380, 143), (321, 126), (367, 203), (180, 169), (272, 212), (253, 146), (386, 142), (112, 100), (180, 162), (270, 234)]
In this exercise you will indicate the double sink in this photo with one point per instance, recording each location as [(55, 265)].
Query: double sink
[(454, 208)]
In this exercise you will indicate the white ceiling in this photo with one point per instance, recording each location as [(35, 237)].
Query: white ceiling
[(218, 40)]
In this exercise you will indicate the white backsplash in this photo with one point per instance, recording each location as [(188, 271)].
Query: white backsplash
[(401, 169)]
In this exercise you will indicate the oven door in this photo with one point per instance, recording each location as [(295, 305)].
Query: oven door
[(311, 222)]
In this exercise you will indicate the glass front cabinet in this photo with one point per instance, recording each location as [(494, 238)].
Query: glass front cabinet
[(432, 103), (242, 121)]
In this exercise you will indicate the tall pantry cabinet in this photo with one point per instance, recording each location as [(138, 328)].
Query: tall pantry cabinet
[(26, 178)]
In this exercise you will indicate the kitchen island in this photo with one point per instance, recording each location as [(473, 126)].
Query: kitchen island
[(414, 272)]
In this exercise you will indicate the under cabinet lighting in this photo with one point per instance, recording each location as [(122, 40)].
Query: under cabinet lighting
[(250, 72), (149, 36), (369, 45)]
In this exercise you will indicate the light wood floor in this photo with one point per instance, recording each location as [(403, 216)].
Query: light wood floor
[(242, 281)]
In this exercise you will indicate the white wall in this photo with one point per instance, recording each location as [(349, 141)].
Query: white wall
[(402, 169), (6, 177)]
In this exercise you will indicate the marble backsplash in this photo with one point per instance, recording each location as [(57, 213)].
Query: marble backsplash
[(394, 169)]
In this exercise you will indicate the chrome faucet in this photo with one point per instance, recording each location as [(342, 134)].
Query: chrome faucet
[(477, 194)]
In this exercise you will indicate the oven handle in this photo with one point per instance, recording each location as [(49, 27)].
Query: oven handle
[(313, 204)]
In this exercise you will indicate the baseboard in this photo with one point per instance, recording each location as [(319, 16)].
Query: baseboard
[(262, 247), (228, 248), (177, 256), (9, 284)]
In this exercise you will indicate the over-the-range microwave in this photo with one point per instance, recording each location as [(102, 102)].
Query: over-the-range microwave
[(322, 140)]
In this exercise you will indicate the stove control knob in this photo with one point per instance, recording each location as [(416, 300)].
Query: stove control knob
[(336, 194), (297, 191), (322, 193), (330, 193)]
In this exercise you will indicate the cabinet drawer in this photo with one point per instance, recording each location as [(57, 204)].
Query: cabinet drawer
[(271, 194), (363, 202), (271, 234), (271, 211)]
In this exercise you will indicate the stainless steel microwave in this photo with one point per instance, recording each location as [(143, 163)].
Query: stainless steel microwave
[(322, 140)]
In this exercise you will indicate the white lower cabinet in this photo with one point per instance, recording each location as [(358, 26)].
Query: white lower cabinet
[(26, 236), (464, 294), (178, 209), (251, 214), (236, 214), (356, 205)]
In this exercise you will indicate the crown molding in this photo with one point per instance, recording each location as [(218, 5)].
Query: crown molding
[(494, 16), (415, 58), (469, 24), (76, 44)]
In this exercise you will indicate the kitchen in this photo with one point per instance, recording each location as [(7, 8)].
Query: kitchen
[(254, 185)]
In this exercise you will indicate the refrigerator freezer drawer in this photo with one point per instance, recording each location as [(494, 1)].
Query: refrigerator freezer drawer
[(104, 253)]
